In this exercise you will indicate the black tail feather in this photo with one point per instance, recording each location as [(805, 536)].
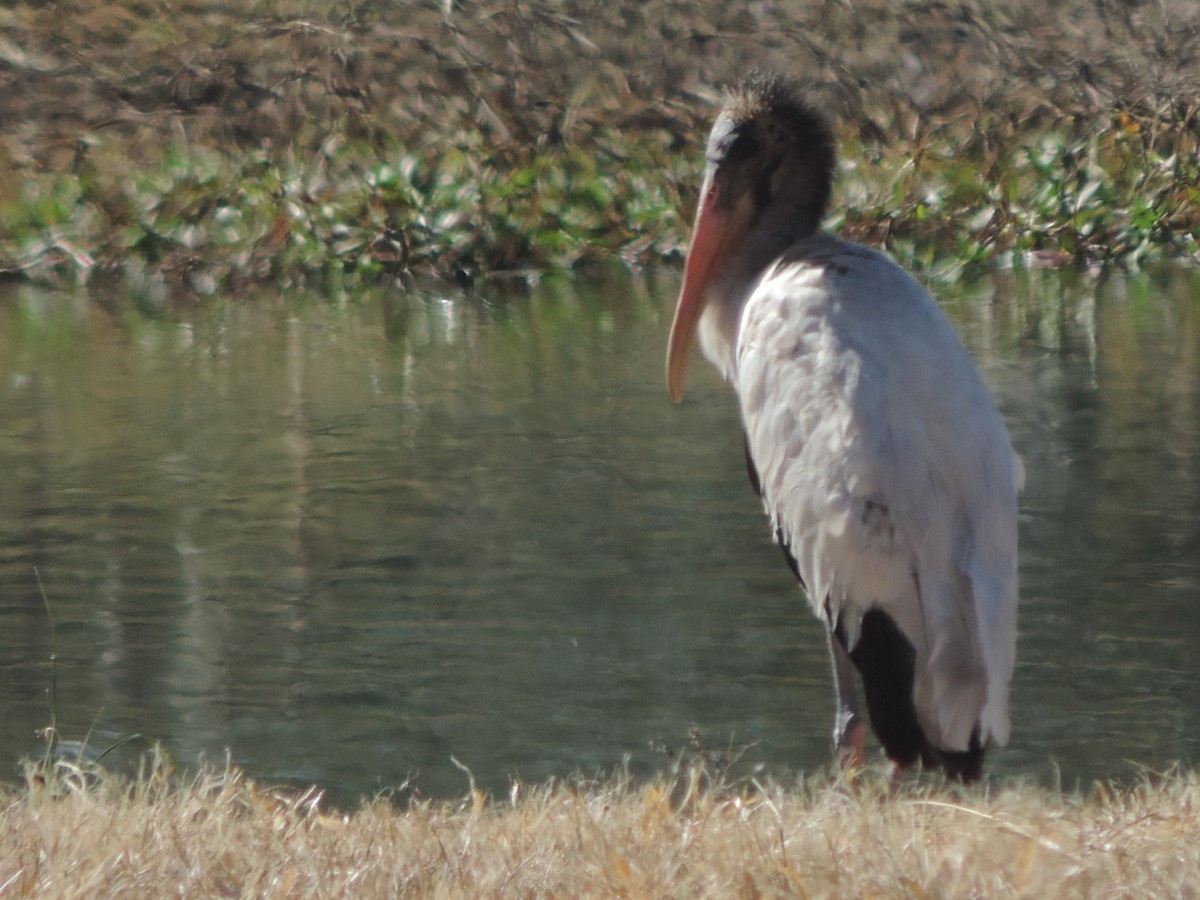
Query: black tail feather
[(887, 662)]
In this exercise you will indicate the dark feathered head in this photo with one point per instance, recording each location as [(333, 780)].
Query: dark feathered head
[(767, 183)]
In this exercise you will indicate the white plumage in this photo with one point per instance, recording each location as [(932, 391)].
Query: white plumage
[(881, 460), (886, 468)]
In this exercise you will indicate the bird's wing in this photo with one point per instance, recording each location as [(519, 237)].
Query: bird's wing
[(885, 465)]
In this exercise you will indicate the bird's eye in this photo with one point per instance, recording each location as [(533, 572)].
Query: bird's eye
[(742, 145)]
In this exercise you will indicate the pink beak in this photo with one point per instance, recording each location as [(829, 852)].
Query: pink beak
[(711, 239)]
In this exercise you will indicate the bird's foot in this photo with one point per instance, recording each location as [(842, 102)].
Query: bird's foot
[(895, 772), (851, 737)]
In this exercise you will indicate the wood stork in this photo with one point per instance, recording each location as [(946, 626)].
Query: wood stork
[(878, 453)]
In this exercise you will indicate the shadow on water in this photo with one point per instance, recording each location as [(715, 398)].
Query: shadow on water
[(347, 538)]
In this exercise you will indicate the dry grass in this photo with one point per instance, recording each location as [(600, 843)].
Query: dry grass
[(220, 834)]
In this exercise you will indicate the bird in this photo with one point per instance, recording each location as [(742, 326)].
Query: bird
[(878, 452)]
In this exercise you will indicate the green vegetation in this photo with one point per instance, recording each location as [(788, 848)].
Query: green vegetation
[(211, 144)]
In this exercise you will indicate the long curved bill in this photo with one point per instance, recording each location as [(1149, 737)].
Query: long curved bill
[(710, 243)]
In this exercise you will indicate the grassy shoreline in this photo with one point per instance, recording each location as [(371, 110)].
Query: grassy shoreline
[(218, 833), (211, 145)]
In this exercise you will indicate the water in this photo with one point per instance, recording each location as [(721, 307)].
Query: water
[(344, 539)]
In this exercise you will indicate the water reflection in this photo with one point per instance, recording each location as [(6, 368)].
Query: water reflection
[(347, 538)]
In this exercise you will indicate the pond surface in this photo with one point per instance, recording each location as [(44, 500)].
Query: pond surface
[(345, 539)]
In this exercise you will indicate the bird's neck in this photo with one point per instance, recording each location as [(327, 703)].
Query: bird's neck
[(730, 288)]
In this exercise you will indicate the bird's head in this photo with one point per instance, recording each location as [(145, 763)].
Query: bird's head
[(767, 176)]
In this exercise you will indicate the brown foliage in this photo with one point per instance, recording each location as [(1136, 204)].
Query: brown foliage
[(533, 133), (543, 71)]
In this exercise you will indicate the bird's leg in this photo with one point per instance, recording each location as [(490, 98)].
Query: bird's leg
[(849, 731)]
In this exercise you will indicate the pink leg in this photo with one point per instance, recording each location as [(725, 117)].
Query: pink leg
[(849, 730), (850, 744)]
